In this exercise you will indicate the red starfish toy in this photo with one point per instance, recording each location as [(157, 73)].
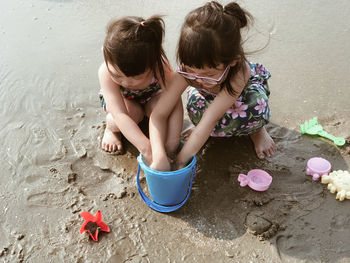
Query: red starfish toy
[(92, 224)]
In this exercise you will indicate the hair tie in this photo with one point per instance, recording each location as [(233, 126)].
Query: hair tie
[(142, 23)]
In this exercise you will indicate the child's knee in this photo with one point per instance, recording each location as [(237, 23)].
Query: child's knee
[(109, 118), (138, 116), (136, 113)]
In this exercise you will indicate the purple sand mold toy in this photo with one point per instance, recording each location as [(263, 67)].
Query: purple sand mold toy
[(317, 167), (257, 179)]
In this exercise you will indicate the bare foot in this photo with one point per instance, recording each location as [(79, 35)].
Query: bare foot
[(111, 141), (263, 143)]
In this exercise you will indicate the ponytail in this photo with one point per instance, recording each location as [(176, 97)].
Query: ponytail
[(151, 31), (211, 35), (239, 14), (134, 45)]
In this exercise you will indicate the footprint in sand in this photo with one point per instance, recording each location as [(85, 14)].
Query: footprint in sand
[(50, 199), (289, 245), (340, 223)]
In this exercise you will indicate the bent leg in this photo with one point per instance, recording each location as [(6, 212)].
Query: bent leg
[(174, 124), (111, 141), (247, 116)]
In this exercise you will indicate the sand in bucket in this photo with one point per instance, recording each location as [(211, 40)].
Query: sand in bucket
[(169, 190)]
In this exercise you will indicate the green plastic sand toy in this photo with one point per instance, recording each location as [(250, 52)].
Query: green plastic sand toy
[(312, 127)]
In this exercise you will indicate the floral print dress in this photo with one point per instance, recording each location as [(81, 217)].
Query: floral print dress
[(249, 113)]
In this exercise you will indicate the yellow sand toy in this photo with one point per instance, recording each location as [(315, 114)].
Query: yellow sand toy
[(338, 181)]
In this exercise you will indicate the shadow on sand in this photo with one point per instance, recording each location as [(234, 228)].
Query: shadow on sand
[(297, 215)]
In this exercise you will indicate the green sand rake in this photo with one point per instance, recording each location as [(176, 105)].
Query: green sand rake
[(312, 127)]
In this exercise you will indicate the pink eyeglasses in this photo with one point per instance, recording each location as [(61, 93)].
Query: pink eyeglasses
[(205, 79)]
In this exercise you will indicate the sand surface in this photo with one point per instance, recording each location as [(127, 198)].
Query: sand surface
[(52, 167)]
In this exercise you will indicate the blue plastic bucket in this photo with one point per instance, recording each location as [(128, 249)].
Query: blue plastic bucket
[(169, 190)]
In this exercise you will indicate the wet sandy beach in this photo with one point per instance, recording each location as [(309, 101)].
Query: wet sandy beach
[(52, 167)]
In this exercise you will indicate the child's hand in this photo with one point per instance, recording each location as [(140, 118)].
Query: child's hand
[(162, 164), (179, 163)]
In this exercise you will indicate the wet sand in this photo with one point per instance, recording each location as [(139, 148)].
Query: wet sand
[(52, 166)]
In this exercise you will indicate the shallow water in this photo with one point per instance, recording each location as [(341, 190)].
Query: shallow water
[(52, 167)]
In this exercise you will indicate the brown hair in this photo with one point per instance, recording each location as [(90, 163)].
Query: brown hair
[(134, 45), (211, 35)]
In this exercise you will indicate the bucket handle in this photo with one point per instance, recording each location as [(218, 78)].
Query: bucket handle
[(158, 207)]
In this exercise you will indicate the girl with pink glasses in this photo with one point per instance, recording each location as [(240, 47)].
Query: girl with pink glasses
[(228, 95)]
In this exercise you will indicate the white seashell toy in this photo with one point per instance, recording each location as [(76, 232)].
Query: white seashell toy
[(338, 181)]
